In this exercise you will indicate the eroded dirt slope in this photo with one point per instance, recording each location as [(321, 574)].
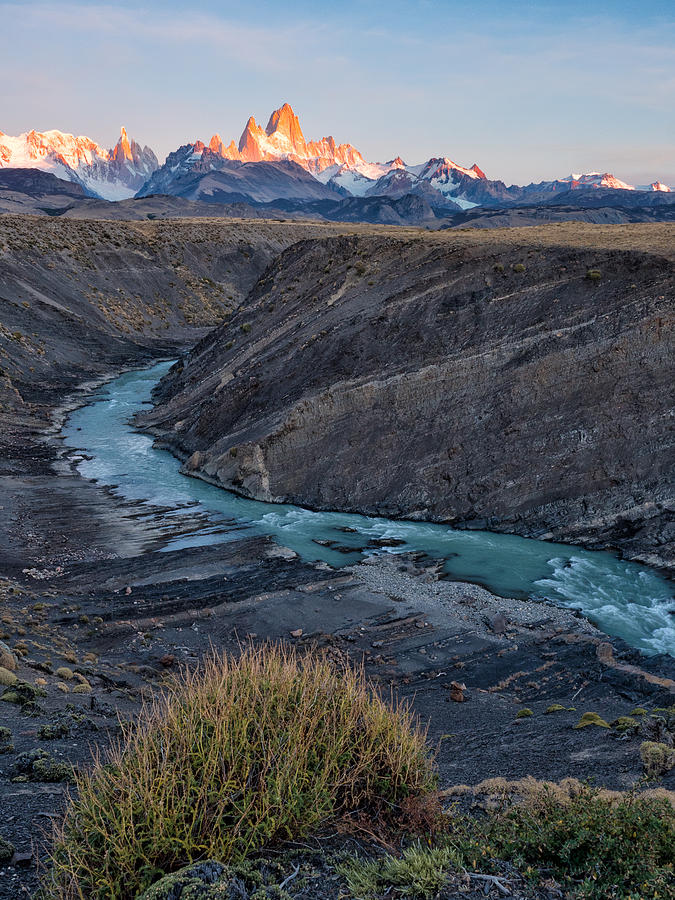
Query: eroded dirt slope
[(78, 298)]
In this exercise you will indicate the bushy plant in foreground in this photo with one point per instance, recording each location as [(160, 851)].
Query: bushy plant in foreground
[(238, 754), (598, 845)]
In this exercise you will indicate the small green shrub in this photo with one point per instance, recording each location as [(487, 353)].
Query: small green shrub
[(498, 267), (6, 851), (594, 274), (625, 723), (53, 732), (524, 713), (591, 718), (245, 327), (597, 846), (519, 267), (657, 759), (6, 745), (235, 755)]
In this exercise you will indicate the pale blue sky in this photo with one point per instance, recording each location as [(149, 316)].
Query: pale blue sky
[(528, 90)]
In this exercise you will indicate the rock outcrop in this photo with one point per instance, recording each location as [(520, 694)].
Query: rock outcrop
[(516, 380)]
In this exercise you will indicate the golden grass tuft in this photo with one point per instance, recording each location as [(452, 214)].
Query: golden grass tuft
[(237, 754)]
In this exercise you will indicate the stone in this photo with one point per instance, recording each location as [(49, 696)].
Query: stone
[(605, 653), (499, 623), (457, 692)]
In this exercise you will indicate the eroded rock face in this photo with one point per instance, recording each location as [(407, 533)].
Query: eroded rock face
[(483, 380)]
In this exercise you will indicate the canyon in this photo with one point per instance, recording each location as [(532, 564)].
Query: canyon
[(514, 380)]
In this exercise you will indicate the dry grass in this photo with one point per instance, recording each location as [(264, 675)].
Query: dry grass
[(529, 790), (237, 755)]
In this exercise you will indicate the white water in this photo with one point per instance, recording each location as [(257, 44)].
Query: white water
[(622, 598)]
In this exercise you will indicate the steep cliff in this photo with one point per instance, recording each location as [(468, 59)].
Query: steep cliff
[(517, 380)]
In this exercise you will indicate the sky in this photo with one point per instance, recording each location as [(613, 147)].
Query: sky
[(528, 90)]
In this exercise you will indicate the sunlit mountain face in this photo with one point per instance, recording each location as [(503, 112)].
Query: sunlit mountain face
[(299, 169), (114, 174)]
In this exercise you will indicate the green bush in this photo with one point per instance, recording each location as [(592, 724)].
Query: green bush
[(519, 267), (594, 274), (238, 754), (657, 758), (597, 846)]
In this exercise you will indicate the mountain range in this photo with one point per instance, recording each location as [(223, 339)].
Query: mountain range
[(114, 174), (278, 164)]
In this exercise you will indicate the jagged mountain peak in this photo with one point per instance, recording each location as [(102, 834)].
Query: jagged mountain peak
[(285, 122), (110, 174), (122, 150)]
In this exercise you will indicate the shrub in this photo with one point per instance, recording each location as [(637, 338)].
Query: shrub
[(519, 267), (591, 718), (658, 759), (498, 267), (598, 846), (594, 274), (238, 754)]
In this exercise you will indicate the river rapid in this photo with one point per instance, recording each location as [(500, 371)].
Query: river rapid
[(623, 598)]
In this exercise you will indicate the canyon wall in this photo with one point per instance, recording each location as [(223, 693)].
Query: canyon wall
[(516, 380)]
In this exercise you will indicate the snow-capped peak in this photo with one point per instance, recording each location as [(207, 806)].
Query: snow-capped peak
[(598, 179), (112, 174)]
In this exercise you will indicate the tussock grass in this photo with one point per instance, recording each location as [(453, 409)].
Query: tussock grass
[(419, 872), (238, 754)]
